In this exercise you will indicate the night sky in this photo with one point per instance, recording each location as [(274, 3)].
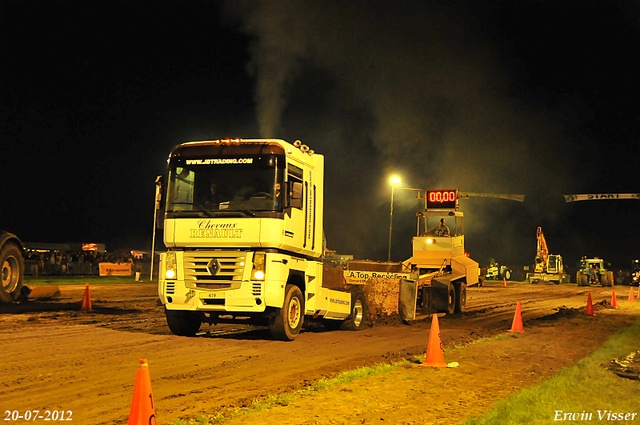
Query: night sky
[(529, 97)]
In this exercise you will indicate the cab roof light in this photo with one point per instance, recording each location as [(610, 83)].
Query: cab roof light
[(303, 148)]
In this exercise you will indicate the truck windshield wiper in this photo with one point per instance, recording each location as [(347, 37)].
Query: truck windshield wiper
[(245, 211), (200, 207), (242, 208), (218, 213)]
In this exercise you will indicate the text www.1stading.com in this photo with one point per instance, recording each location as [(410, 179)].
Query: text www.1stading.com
[(219, 161), (38, 415)]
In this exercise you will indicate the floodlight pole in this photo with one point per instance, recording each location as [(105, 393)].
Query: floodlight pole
[(155, 218), (395, 181), (393, 187)]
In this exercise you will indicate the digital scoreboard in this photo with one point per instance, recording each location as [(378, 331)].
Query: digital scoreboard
[(442, 199)]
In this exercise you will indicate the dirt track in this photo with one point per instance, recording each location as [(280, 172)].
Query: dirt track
[(58, 358)]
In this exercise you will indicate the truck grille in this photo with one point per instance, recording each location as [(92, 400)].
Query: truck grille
[(200, 267), (170, 288)]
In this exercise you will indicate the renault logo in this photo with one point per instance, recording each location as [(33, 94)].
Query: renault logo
[(213, 267)]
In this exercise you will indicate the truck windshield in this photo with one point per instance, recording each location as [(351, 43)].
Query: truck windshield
[(224, 188)]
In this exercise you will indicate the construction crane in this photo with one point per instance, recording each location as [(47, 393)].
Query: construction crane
[(548, 267), (542, 254)]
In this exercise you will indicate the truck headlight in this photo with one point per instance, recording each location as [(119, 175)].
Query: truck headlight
[(431, 241), (258, 266), (170, 269)]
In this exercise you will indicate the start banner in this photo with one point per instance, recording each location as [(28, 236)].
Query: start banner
[(600, 196), (511, 196), (115, 269)]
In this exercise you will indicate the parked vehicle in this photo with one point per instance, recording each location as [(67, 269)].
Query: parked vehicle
[(593, 272), (11, 267)]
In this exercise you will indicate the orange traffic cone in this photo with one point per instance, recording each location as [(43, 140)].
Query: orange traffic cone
[(142, 410), (631, 297), (435, 357), (590, 307), (86, 300), (504, 282), (614, 302), (516, 326)]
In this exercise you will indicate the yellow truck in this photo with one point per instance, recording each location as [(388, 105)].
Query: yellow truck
[(243, 230)]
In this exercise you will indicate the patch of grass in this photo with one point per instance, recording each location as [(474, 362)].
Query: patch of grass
[(78, 280), (324, 384), (587, 387), (421, 358)]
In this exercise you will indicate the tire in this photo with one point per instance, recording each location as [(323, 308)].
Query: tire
[(357, 318), (11, 272), (607, 279), (444, 300), (451, 306), (582, 279), (183, 323), (287, 324), (461, 298)]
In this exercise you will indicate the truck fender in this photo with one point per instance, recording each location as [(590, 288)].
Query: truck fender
[(5, 236)]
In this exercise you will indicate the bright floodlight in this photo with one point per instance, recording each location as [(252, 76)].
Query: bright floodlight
[(395, 180)]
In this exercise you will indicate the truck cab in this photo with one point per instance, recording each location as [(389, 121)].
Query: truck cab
[(243, 228)]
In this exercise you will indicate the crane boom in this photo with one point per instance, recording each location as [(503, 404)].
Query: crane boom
[(542, 252)]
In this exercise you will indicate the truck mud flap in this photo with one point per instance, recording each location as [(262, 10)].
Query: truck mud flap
[(408, 298)]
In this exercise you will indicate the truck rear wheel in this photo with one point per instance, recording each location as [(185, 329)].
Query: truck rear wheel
[(444, 300), (11, 272), (461, 297), (358, 316), (183, 323), (287, 324)]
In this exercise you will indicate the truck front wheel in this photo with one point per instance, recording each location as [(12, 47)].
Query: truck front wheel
[(287, 324), (11, 272), (183, 323)]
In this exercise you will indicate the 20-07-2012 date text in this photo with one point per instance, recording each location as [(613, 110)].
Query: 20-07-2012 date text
[(38, 415)]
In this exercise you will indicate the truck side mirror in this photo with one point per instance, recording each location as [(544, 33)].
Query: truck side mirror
[(294, 195)]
